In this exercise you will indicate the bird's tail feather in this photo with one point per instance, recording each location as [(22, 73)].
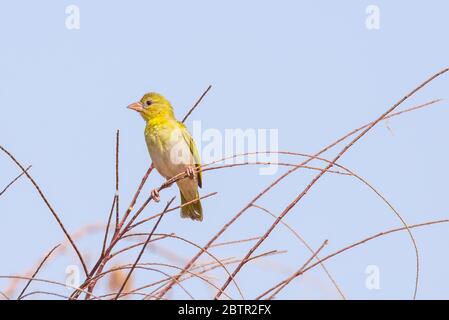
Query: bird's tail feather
[(193, 211)]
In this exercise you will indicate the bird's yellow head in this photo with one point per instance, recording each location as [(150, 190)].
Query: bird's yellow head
[(152, 105)]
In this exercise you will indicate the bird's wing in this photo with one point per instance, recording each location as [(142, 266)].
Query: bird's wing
[(189, 140)]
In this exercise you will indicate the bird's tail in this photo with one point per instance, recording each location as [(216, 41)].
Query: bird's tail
[(193, 211)]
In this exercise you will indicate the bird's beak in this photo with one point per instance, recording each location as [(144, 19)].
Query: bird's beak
[(136, 106)]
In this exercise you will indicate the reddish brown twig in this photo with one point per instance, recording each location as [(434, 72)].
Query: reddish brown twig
[(143, 248), (44, 293), (196, 104), (13, 181), (136, 245), (171, 209), (117, 195), (115, 201), (37, 270), (226, 243), (105, 238), (303, 241), (58, 283), (293, 276)]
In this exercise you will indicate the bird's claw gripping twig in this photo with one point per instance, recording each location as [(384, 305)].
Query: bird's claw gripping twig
[(155, 195), (190, 172)]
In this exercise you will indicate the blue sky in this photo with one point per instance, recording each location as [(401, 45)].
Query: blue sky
[(311, 70)]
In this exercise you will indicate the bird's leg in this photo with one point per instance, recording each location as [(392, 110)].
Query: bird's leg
[(191, 172), (155, 195)]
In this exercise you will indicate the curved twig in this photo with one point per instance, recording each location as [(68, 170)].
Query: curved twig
[(45, 281), (289, 279), (301, 239)]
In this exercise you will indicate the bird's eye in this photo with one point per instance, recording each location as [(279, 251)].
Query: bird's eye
[(149, 102)]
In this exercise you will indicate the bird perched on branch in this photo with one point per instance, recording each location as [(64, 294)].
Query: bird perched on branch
[(172, 150)]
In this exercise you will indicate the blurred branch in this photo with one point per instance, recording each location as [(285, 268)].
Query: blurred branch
[(55, 215), (4, 295), (303, 241), (57, 283), (37, 270), (293, 276)]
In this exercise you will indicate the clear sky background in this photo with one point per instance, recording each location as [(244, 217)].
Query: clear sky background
[(310, 69)]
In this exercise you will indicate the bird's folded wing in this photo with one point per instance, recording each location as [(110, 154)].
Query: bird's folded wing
[(193, 150)]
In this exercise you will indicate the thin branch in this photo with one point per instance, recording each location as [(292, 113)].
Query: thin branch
[(55, 215), (143, 249), (44, 281), (105, 238), (196, 104), (136, 195), (117, 195), (37, 270), (226, 243), (293, 276), (115, 202), (45, 293), (303, 241), (130, 267), (120, 251), (13, 181), (172, 209)]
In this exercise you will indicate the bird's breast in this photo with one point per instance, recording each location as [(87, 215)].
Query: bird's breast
[(168, 149)]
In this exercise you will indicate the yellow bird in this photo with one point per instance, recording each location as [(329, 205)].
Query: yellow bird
[(172, 150)]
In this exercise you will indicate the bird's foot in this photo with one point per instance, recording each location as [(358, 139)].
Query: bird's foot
[(155, 195), (190, 172)]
